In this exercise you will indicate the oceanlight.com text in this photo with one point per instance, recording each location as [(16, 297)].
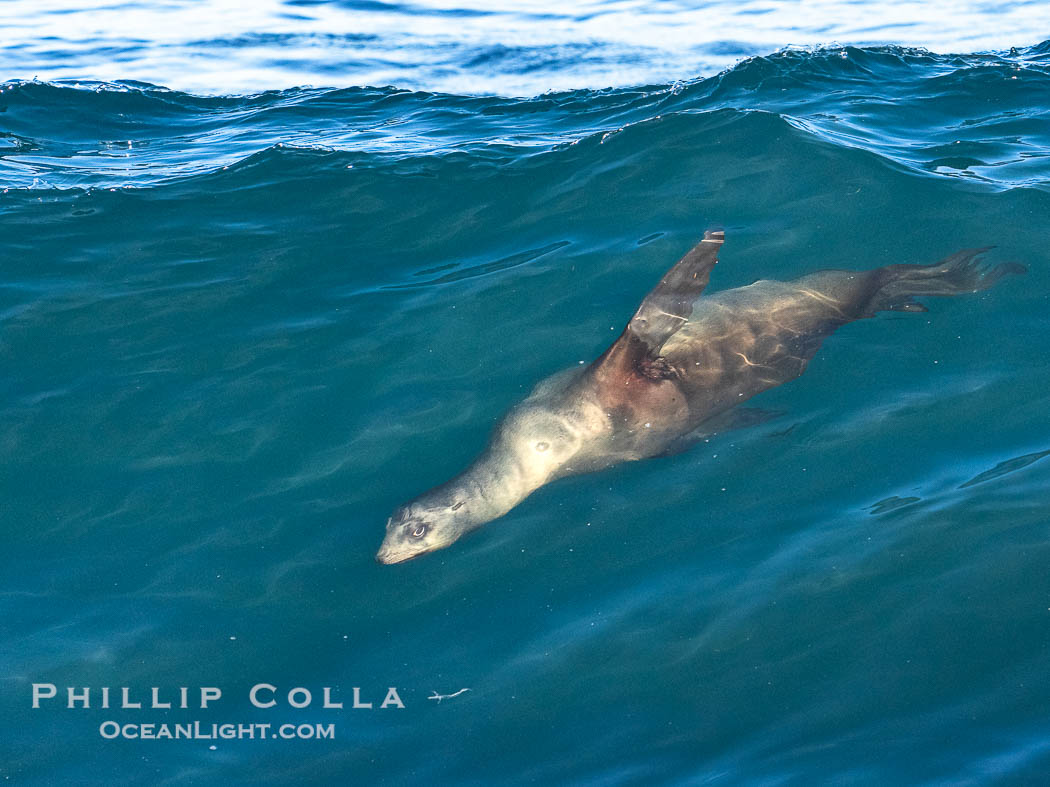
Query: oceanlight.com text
[(195, 730)]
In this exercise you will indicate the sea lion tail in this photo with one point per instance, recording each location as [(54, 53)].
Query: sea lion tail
[(960, 273)]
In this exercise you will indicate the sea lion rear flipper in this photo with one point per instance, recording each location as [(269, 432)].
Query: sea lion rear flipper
[(962, 272), (665, 309)]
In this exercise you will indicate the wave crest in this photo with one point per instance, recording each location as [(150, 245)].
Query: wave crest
[(979, 117)]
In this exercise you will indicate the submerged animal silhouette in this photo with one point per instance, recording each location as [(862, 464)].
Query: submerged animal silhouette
[(673, 376)]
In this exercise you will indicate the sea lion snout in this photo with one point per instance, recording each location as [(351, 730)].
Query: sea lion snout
[(386, 556), (395, 550)]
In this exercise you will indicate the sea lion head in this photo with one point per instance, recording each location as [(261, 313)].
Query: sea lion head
[(529, 448), (418, 527)]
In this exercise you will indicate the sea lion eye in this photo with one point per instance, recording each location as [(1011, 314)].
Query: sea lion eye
[(542, 446), (419, 532)]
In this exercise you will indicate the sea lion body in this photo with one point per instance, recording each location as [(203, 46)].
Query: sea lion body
[(676, 373)]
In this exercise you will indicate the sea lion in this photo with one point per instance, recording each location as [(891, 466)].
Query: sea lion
[(673, 376)]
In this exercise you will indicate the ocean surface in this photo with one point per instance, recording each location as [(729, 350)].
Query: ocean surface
[(242, 319)]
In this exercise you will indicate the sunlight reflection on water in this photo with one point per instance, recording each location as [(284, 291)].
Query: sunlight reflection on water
[(513, 47)]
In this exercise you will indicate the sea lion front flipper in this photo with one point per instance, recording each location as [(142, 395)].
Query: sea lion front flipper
[(670, 302), (729, 421), (665, 309)]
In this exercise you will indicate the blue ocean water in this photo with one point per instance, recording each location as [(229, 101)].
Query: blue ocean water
[(239, 325)]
